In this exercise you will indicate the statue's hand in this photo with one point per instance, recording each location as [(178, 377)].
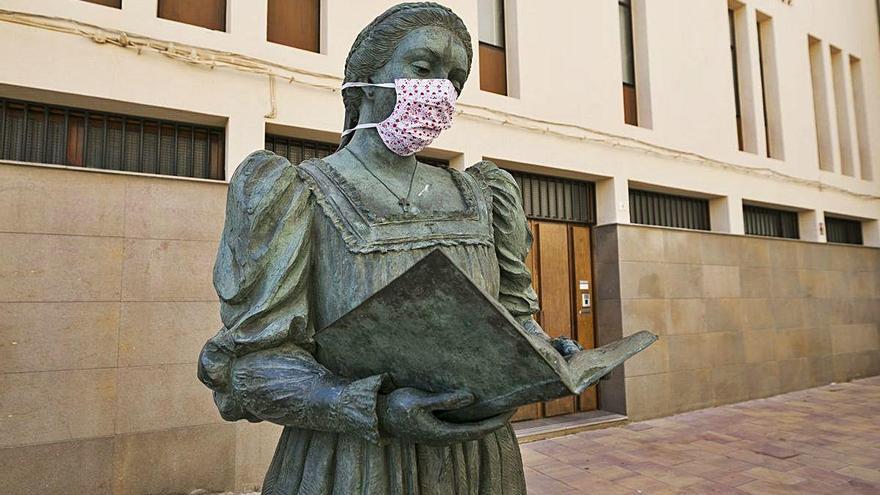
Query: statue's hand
[(566, 346), (408, 414)]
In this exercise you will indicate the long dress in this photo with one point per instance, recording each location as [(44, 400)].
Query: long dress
[(299, 250)]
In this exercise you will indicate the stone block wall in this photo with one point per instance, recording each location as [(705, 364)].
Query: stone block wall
[(105, 301), (739, 317)]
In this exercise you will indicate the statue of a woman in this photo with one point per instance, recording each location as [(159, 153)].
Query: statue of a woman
[(303, 244)]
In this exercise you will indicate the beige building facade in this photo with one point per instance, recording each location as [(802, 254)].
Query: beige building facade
[(762, 116)]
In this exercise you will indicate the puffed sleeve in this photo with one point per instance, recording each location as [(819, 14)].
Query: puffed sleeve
[(260, 365), (513, 240)]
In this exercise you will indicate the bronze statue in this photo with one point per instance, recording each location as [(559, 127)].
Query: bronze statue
[(305, 244)]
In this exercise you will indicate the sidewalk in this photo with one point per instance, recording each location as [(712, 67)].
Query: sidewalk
[(819, 441)]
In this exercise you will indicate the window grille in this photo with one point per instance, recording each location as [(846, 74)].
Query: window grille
[(668, 210), (843, 231), (35, 132), (770, 222), (297, 150), (552, 198)]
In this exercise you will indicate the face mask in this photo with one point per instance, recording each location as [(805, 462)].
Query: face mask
[(424, 108)]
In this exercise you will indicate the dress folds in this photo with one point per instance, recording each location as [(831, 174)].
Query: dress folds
[(298, 251)]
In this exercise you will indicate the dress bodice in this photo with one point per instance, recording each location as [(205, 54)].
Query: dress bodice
[(356, 252)]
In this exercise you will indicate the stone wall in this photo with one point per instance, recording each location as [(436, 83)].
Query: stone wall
[(739, 317), (105, 301)]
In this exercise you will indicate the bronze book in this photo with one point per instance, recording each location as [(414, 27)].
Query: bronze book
[(432, 328)]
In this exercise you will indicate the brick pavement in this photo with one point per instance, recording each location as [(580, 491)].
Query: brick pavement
[(824, 440)]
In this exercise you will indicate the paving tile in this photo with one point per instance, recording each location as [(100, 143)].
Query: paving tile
[(818, 441)]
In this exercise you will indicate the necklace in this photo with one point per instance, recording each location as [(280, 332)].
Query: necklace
[(403, 201)]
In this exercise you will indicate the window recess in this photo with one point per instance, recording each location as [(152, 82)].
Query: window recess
[(295, 23), (668, 210), (297, 150), (769, 88), (770, 222), (210, 14), (117, 4), (628, 63), (35, 132), (843, 231), (557, 199), (493, 52), (731, 19)]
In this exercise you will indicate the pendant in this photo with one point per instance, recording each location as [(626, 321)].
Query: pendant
[(404, 204)]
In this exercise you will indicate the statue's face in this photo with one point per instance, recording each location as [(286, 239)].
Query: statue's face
[(426, 53)]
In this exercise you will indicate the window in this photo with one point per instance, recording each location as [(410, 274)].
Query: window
[(493, 55), (770, 222), (295, 23), (769, 88), (821, 105), (34, 132), (861, 110), (553, 198), (298, 150), (731, 14), (843, 231), (839, 66), (109, 3), (628, 61), (209, 14), (653, 208)]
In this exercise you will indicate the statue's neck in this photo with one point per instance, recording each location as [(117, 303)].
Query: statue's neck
[(368, 146)]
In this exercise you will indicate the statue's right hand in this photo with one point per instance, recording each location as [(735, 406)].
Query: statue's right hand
[(408, 414)]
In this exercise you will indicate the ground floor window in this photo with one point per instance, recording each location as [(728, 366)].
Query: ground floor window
[(668, 210), (35, 132), (770, 222), (843, 230)]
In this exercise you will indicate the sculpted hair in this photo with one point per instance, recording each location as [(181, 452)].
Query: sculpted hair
[(375, 45)]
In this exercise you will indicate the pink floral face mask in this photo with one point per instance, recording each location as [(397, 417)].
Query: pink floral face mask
[(424, 108)]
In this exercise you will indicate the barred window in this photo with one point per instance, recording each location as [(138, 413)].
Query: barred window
[(668, 210), (843, 230), (297, 150), (770, 222), (552, 198), (35, 132)]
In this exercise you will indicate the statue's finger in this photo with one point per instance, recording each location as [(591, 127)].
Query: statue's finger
[(447, 401)]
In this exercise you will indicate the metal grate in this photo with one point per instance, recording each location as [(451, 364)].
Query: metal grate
[(770, 222), (35, 132), (668, 210), (297, 150), (552, 198), (843, 230)]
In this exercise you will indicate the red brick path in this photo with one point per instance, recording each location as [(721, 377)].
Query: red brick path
[(819, 441)]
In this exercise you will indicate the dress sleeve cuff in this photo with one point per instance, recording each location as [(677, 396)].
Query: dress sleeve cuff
[(357, 406)]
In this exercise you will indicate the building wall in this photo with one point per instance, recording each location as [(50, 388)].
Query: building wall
[(738, 317), (105, 302), (105, 290)]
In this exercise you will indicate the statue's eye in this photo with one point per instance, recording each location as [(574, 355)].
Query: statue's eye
[(422, 69)]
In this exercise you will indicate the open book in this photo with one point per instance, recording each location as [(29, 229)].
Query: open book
[(432, 328)]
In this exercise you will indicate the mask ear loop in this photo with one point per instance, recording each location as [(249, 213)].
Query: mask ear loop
[(358, 84)]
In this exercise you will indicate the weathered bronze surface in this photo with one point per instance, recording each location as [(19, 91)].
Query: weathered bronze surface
[(303, 245)]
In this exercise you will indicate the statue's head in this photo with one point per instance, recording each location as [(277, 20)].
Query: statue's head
[(418, 40)]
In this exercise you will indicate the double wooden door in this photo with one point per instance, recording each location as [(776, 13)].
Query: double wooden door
[(561, 267)]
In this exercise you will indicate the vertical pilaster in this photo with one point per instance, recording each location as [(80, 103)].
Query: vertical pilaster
[(245, 133), (726, 215), (811, 225), (612, 201)]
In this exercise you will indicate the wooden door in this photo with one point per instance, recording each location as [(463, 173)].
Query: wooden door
[(560, 262)]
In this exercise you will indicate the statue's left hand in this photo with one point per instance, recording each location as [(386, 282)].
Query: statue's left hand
[(408, 414)]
